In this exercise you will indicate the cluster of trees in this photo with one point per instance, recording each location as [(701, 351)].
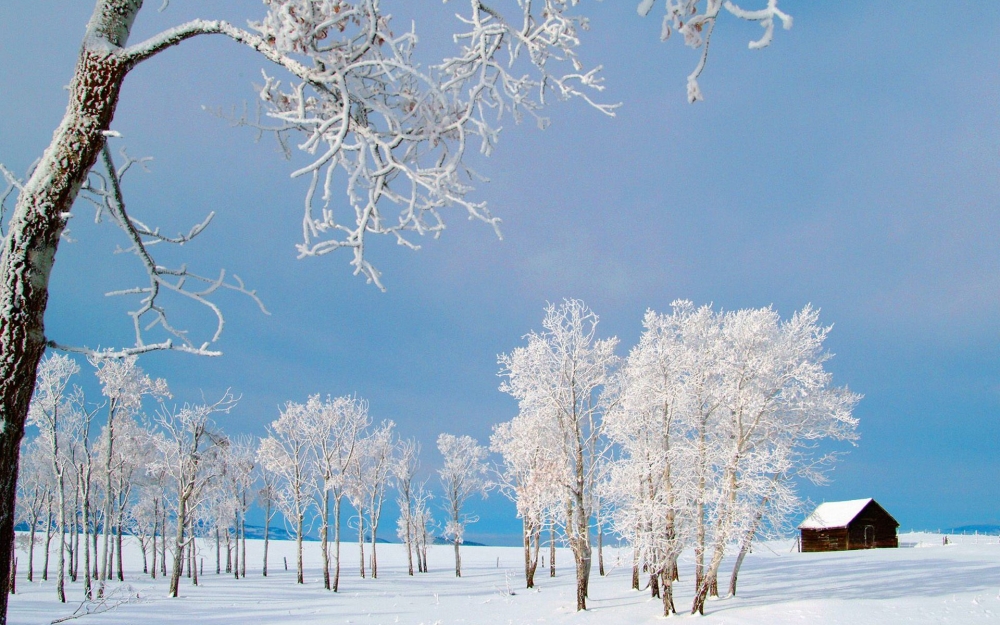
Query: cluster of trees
[(693, 440), (173, 472)]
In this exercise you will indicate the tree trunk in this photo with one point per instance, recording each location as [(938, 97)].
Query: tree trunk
[(336, 543), (458, 559), (300, 578), (324, 536), (48, 542), (600, 551), (667, 591), (243, 547), (267, 530), (156, 526), (87, 591), (163, 542), (529, 572), (736, 569), (93, 538), (361, 541), (178, 564), (192, 555), (552, 551), (118, 551), (31, 553), (236, 547), (39, 218)]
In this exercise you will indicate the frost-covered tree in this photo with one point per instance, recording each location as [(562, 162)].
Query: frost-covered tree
[(188, 447), (652, 484), (357, 101), (267, 498), (530, 477), (775, 398), (34, 491), (50, 406), (716, 413), (423, 523), (333, 427), (373, 474), (405, 473), (124, 384), (559, 377), (286, 453), (462, 476)]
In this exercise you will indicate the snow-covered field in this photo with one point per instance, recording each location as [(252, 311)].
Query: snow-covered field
[(925, 583)]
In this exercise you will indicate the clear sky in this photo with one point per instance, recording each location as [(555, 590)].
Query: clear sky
[(852, 165)]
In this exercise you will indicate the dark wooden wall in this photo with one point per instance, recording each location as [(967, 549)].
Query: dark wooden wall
[(824, 540)]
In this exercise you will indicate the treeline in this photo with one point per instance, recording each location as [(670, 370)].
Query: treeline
[(694, 440), (172, 479)]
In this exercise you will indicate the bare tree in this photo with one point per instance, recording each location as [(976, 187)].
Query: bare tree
[(560, 377), (530, 477), (405, 472), (267, 497), (286, 453), (333, 427), (49, 406), (188, 446), (462, 476)]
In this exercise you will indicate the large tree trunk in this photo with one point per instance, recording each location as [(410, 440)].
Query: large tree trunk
[(39, 218), (458, 558)]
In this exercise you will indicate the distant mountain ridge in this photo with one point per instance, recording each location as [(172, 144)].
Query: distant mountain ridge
[(974, 529)]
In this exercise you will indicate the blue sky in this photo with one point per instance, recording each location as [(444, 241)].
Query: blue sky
[(852, 165)]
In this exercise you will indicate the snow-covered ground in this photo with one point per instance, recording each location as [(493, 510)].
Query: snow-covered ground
[(923, 583)]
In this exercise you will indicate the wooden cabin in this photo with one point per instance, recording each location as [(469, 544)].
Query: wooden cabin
[(843, 525)]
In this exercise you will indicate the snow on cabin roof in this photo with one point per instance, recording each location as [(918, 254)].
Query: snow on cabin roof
[(834, 514)]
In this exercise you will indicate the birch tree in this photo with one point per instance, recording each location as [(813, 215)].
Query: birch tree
[(530, 477), (559, 376), (405, 473), (285, 452), (49, 409), (334, 427), (357, 102), (188, 446), (462, 476)]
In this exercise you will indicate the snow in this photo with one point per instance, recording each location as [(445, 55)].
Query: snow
[(834, 514), (957, 583)]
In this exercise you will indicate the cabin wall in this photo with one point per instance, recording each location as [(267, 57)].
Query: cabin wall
[(884, 535), (835, 539), (881, 529)]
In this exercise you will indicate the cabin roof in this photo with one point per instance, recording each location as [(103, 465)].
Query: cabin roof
[(834, 514)]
